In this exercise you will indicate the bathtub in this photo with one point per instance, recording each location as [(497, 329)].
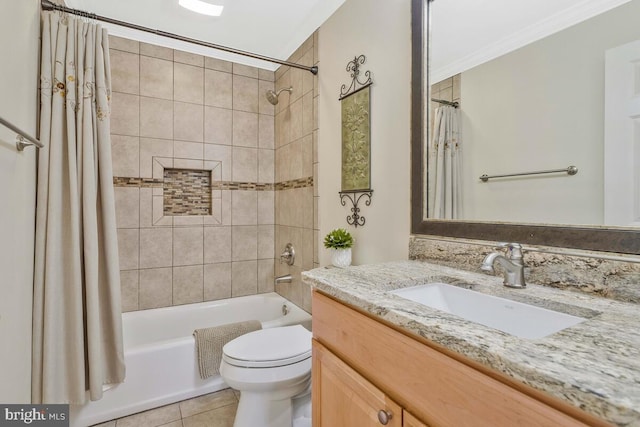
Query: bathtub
[(160, 356)]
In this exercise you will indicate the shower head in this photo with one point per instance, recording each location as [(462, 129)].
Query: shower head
[(272, 96)]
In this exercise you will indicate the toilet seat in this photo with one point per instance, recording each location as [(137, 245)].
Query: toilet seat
[(269, 348)]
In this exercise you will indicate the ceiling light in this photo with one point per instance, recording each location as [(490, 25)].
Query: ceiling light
[(202, 7)]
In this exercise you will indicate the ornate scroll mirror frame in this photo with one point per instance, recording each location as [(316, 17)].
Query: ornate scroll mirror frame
[(619, 240)]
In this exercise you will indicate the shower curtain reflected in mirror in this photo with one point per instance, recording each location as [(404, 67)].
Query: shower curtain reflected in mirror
[(77, 332), (444, 166)]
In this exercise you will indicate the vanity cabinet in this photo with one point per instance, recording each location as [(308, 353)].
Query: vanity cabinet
[(362, 365)]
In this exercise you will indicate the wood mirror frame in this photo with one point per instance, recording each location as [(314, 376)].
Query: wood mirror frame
[(597, 238)]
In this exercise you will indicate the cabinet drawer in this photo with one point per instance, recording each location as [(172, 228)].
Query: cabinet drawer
[(434, 387)]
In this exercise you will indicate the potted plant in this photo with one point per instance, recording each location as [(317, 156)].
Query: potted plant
[(339, 242)]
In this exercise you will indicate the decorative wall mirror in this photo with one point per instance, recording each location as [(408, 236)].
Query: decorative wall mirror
[(532, 98)]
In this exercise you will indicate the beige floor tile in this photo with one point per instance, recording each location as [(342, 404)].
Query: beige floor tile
[(173, 424), (152, 418), (107, 424), (221, 417), (208, 402)]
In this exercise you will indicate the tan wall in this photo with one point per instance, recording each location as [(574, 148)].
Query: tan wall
[(296, 127), (173, 109), (19, 44)]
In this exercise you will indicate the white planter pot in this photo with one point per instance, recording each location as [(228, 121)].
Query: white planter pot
[(341, 257)]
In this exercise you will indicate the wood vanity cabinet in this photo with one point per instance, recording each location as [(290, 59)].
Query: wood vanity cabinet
[(362, 366)]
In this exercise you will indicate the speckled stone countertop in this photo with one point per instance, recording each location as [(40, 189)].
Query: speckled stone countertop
[(594, 365)]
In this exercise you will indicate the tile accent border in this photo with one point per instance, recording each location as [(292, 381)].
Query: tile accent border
[(121, 181), (187, 192)]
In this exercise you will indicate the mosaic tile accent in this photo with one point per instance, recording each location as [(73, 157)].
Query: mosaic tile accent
[(219, 185), (187, 192)]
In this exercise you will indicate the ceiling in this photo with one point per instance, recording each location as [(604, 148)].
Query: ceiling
[(466, 33), (272, 28)]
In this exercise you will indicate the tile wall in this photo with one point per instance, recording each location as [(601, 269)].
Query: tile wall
[(172, 109), (296, 161)]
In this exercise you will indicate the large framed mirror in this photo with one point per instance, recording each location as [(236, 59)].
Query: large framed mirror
[(552, 90)]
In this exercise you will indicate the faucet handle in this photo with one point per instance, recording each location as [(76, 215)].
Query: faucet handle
[(514, 250)]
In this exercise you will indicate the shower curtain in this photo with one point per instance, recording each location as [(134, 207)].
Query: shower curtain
[(77, 330), (444, 173)]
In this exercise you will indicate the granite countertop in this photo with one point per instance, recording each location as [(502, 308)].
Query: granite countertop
[(594, 365)]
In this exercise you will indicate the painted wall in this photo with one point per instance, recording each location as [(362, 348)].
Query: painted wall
[(541, 107), (19, 44), (382, 34)]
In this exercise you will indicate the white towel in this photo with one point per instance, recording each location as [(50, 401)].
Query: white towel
[(209, 343)]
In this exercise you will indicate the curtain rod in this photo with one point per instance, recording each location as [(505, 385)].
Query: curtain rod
[(454, 104), (23, 138), (48, 5)]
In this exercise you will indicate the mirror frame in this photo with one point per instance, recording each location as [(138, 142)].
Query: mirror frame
[(597, 238)]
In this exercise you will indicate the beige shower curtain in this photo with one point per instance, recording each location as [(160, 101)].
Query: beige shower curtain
[(77, 332), (444, 173)]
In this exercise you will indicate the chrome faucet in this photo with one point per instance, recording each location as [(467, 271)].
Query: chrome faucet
[(512, 263), (283, 279), (289, 255)]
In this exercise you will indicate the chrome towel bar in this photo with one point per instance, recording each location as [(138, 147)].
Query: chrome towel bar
[(23, 139), (570, 170)]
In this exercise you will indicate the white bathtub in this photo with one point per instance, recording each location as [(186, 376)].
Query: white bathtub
[(160, 356)]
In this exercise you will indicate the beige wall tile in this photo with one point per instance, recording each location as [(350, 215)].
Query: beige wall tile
[(296, 120), (156, 247), (266, 274), (125, 113), (188, 150), (156, 118), (306, 200), (266, 207), (294, 160), (218, 64), (217, 281), (125, 155), (266, 131), (317, 243), (155, 291), (245, 129), (188, 58), (221, 417), (222, 154), (264, 106), (207, 402), (218, 125), (284, 82), (188, 83), (217, 244), (129, 290), (244, 207), (188, 246), (245, 94), (128, 248), (266, 75), (188, 284), (266, 241), (187, 164), (218, 89), (280, 71), (244, 243), (123, 44), (316, 201), (245, 70), (307, 77), (127, 207), (245, 164), (306, 250), (306, 156), (188, 122), (150, 148), (315, 146), (125, 72), (244, 278), (315, 113), (156, 78), (156, 51), (296, 82), (266, 165), (146, 207), (307, 114), (226, 207)]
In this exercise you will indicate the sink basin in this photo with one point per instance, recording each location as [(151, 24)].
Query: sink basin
[(515, 318)]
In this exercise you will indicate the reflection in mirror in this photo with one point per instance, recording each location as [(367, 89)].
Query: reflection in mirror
[(567, 97)]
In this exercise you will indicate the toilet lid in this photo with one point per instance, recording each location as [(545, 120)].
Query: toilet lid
[(269, 348)]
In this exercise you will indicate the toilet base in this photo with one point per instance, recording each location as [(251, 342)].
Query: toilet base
[(257, 409)]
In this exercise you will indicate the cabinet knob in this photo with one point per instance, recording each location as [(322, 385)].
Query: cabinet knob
[(384, 416)]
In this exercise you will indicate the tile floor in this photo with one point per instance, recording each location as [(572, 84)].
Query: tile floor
[(210, 410)]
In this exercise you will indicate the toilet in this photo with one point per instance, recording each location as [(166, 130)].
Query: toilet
[(272, 370)]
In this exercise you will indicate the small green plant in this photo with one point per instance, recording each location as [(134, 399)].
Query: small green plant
[(338, 239)]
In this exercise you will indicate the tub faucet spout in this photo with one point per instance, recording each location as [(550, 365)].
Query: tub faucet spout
[(283, 279), (512, 264)]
